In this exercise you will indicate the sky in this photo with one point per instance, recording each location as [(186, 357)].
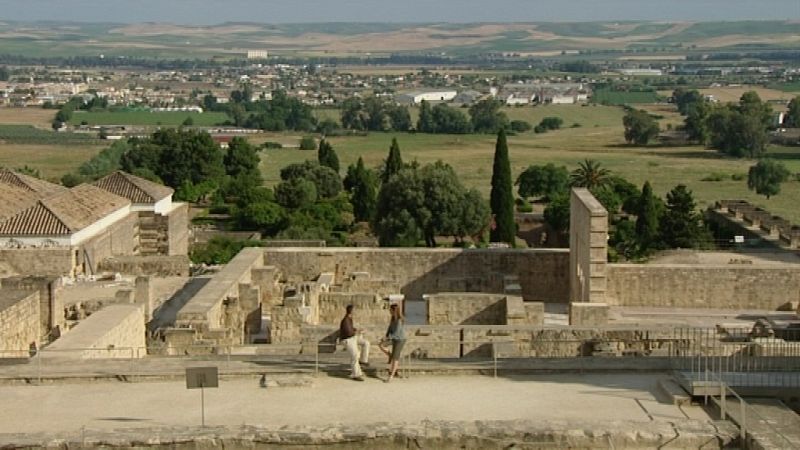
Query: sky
[(208, 12)]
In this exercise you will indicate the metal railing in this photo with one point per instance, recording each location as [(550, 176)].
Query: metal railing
[(748, 427), (739, 356)]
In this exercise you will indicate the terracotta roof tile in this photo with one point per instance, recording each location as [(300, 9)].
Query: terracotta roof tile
[(14, 199), (29, 183), (135, 189), (64, 214)]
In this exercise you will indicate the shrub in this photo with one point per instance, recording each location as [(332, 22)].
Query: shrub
[(716, 176), (520, 126), (270, 144), (308, 143)]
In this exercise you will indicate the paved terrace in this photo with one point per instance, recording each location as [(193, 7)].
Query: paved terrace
[(65, 409)]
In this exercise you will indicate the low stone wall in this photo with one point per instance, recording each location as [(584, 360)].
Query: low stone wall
[(462, 308), (703, 286), (444, 435), (542, 274), (480, 341), (19, 322), (116, 331), (156, 265)]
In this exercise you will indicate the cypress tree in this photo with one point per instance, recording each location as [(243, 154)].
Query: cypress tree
[(364, 192), (326, 156), (425, 123), (647, 218), (394, 162), (502, 198)]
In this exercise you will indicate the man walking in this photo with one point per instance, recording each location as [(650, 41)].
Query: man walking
[(356, 345)]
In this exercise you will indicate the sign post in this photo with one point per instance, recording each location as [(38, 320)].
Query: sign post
[(201, 378)]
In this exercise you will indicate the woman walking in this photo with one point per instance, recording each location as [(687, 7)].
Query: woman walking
[(396, 335)]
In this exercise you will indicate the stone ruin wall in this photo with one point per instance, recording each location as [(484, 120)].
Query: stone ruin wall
[(542, 274), (19, 323), (703, 286)]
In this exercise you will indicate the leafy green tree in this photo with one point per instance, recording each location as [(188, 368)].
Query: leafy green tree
[(737, 134), (362, 185), (326, 156), (544, 181), (640, 127), (308, 143), (647, 220), (556, 213), (425, 123), (353, 117), (242, 160), (685, 99), (502, 197), (399, 118), (475, 215), (449, 120), (327, 182), (681, 225), (766, 177), (394, 162), (187, 160), (295, 192), (520, 126), (589, 174), (750, 105), (549, 123), (188, 122), (400, 214), (696, 122), (375, 113), (267, 217), (487, 117), (792, 118)]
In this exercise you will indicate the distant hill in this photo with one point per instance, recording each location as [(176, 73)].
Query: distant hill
[(337, 39)]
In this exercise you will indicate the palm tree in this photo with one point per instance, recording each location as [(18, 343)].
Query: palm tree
[(589, 175)]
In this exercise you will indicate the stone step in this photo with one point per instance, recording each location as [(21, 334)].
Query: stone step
[(674, 392)]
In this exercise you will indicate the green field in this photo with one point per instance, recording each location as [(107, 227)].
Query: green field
[(147, 118), (609, 97), (794, 86), (29, 135)]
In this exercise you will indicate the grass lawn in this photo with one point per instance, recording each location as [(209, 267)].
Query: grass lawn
[(171, 118), (52, 160)]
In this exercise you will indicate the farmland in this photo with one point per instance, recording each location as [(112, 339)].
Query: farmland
[(609, 97), (147, 118), (26, 134)]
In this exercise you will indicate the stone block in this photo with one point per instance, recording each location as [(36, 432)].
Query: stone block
[(588, 314)]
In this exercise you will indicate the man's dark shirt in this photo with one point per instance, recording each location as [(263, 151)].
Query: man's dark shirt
[(346, 329)]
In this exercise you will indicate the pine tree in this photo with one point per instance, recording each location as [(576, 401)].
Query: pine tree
[(647, 218), (326, 156), (394, 162), (502, 197)]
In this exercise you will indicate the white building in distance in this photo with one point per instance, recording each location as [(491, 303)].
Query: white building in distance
[(416, 97), (257, 54)]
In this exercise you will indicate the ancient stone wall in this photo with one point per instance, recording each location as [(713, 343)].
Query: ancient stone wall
[(53, 261), (588, 241), (519, 341), (19, 322), (116, 331), (178, 230), (703, 286), (121, 238), (463, 308), (369, 308), (157, 265), (542, 274), (51, 305)]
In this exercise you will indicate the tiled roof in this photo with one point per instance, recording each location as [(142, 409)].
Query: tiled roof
[(64, 214), (135, 189), (29, 183), (14, 199)]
